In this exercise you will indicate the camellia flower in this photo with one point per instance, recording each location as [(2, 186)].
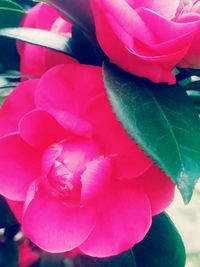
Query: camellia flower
[(36, 60), (67, 163), (147, 38)]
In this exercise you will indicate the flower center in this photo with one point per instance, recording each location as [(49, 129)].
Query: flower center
[(64, 163), (64, 180)]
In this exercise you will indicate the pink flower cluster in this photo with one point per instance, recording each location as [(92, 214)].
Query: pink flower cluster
[(69, 171)]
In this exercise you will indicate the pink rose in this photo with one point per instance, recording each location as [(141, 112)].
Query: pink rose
[(27, 256), (144, 37), (191, 14), (36, 60), (68, 164)]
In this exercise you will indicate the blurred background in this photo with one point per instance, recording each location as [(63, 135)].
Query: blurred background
[(187, 221)]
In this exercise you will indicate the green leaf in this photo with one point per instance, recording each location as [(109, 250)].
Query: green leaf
[(7, 219), (78, 11), (193, 86), (125, 259), (10, 17), (162, 246), (10, 4), (8, 254), (39, 37), (162, 121)]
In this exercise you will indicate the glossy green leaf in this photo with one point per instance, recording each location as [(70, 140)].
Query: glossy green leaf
[(8, 254), (78, 11), (162, 246), (193, 86), (7, 219), (162, 120), (10, 17), (10, 4), (39, 37), (125, 259)]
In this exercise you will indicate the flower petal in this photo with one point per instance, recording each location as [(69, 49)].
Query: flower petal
[(128, 159), (41, 16), (159, 188), (39, 129), (124, 219), (12, 109), (95, 178), (115, 41), (54, 227), (168, 9), (19, 166), (59, 88)]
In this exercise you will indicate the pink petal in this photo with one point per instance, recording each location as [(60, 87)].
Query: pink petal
[(53, 58), (114, 42), (71, 122), (53, 226), (46, 17), (172, 29), (32, 61), (19, 166), (122, 19), (39, 129), (159, 189), (59, 88), (20, 101), (128, 159), (165, 8), (41, 16), (62, 26), (124, 217), (95, 178), (68, 101)]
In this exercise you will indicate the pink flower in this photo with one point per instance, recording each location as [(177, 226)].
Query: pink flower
[(68, 164), (27, 256), (191, 14), (36, 60), (144, 37)]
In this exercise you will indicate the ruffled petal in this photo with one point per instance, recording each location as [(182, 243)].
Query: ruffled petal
[(19, 166), (128, 159), (54, 227), (116, 41), (59, 88), (124, 217), (168, 9), (95, 178), (32, 62), (159, 188), (12, 109), (39, 129), (41, 16)]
